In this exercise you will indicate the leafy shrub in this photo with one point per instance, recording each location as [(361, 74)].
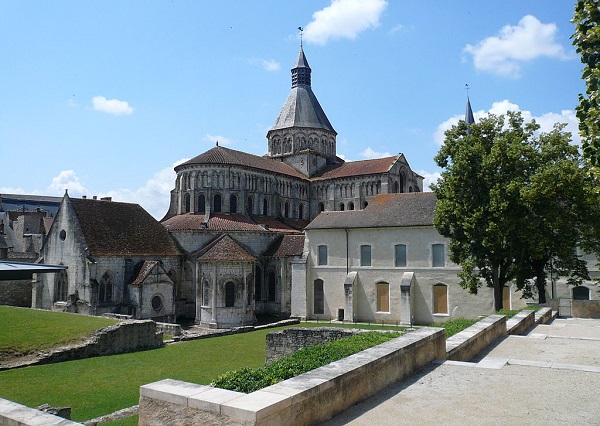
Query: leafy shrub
[(251, 379)]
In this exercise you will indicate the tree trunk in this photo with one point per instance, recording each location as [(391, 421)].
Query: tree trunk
[(540, 280), (497, 289)]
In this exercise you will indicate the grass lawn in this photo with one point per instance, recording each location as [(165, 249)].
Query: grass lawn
[(24, 330), (102, 385), (99, 386)]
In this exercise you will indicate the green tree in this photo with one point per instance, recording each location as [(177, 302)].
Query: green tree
[(586, 39), (512, 201)]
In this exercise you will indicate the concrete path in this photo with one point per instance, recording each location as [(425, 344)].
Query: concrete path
[(549, 376)]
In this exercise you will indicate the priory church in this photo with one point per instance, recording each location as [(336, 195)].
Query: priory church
[(234, 244)]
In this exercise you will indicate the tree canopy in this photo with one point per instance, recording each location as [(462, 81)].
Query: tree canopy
[(586, 39), (514, 202)]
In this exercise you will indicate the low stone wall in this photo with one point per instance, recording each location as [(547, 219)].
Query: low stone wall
[(465, 345), (520, 323), (126, 336), (14, 414), (285, 342), (169, 328), (545, 315), (310, 398), (585, 308), (15, 293)]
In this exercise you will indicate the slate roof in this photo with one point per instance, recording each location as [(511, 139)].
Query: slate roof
[(287, 245), (384, 211), (301, 108), (223, 248), (121, 229), (227, 156), (356, 168)]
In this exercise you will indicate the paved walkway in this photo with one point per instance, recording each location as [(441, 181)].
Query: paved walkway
[(549, 376)]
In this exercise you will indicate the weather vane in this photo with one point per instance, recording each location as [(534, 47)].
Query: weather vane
[(301, 31), (467, 89)]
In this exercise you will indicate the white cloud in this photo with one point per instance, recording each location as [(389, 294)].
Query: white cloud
[(222, 140), (429, 179), (154, 196), (11, 190), (67, 179), (111, 106), (270, 65), (546, 121), (370, 154), (504, 54), (343, 19)]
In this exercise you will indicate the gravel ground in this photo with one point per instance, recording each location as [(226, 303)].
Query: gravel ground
[(550, 376)]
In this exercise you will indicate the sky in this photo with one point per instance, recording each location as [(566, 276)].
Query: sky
[(105, 97)]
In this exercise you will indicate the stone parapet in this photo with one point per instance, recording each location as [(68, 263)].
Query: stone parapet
[(14, 414), (465, 345), (309, 398), (545, 315), (520, 323)]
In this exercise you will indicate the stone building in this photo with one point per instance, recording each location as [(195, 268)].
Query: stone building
[(386, 263), (119, 259), (239, 217)]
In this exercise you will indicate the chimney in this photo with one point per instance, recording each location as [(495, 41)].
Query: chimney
[(84, 196), (95, 197), (106, 199)]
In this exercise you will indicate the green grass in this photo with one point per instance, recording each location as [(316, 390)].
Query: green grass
[(24, 330), (252, 379), (455, 325), (99, 386)]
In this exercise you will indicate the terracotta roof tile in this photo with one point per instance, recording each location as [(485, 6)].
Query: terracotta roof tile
[(223, 248), (226, 156), (386, 210), (356, 168), (145, 270), (121, 229), (287, 245), (232, 222)]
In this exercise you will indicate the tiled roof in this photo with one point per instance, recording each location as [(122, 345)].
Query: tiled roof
[(145, 270), (356, 168), (276, 225), (231, 223), (121, 229), (226, 156), (223, 248), (386, 210), (287, 245)]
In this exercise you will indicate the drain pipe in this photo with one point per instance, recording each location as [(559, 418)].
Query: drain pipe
[(347, 254)]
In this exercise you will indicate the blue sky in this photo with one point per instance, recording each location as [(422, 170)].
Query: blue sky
[(105, 97)]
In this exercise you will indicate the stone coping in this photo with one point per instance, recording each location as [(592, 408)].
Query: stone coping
[(545, 315), (14, 414), (521, 322), (466, 344), (309, 398)]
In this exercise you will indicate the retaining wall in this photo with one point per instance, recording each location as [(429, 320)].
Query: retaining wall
[(520, 323), (585, 308), (13, 414), (126, 336), (465, 345), (285, 342), (309, 398), (545, 315)]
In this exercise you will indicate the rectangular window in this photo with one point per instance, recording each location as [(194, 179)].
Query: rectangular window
[(383, 297), (400, 255), (438, 255), (365, 255), (319, 297), (322, 256), (440, 299)]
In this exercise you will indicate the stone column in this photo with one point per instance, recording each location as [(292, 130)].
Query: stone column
[(213, 304), (349, 287), (406, 298)]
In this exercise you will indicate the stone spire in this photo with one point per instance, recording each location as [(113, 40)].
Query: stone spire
[(301, 71), (469, 113)]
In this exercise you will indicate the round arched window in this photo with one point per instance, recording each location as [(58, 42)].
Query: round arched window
[(62, 235), (157, 303)]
